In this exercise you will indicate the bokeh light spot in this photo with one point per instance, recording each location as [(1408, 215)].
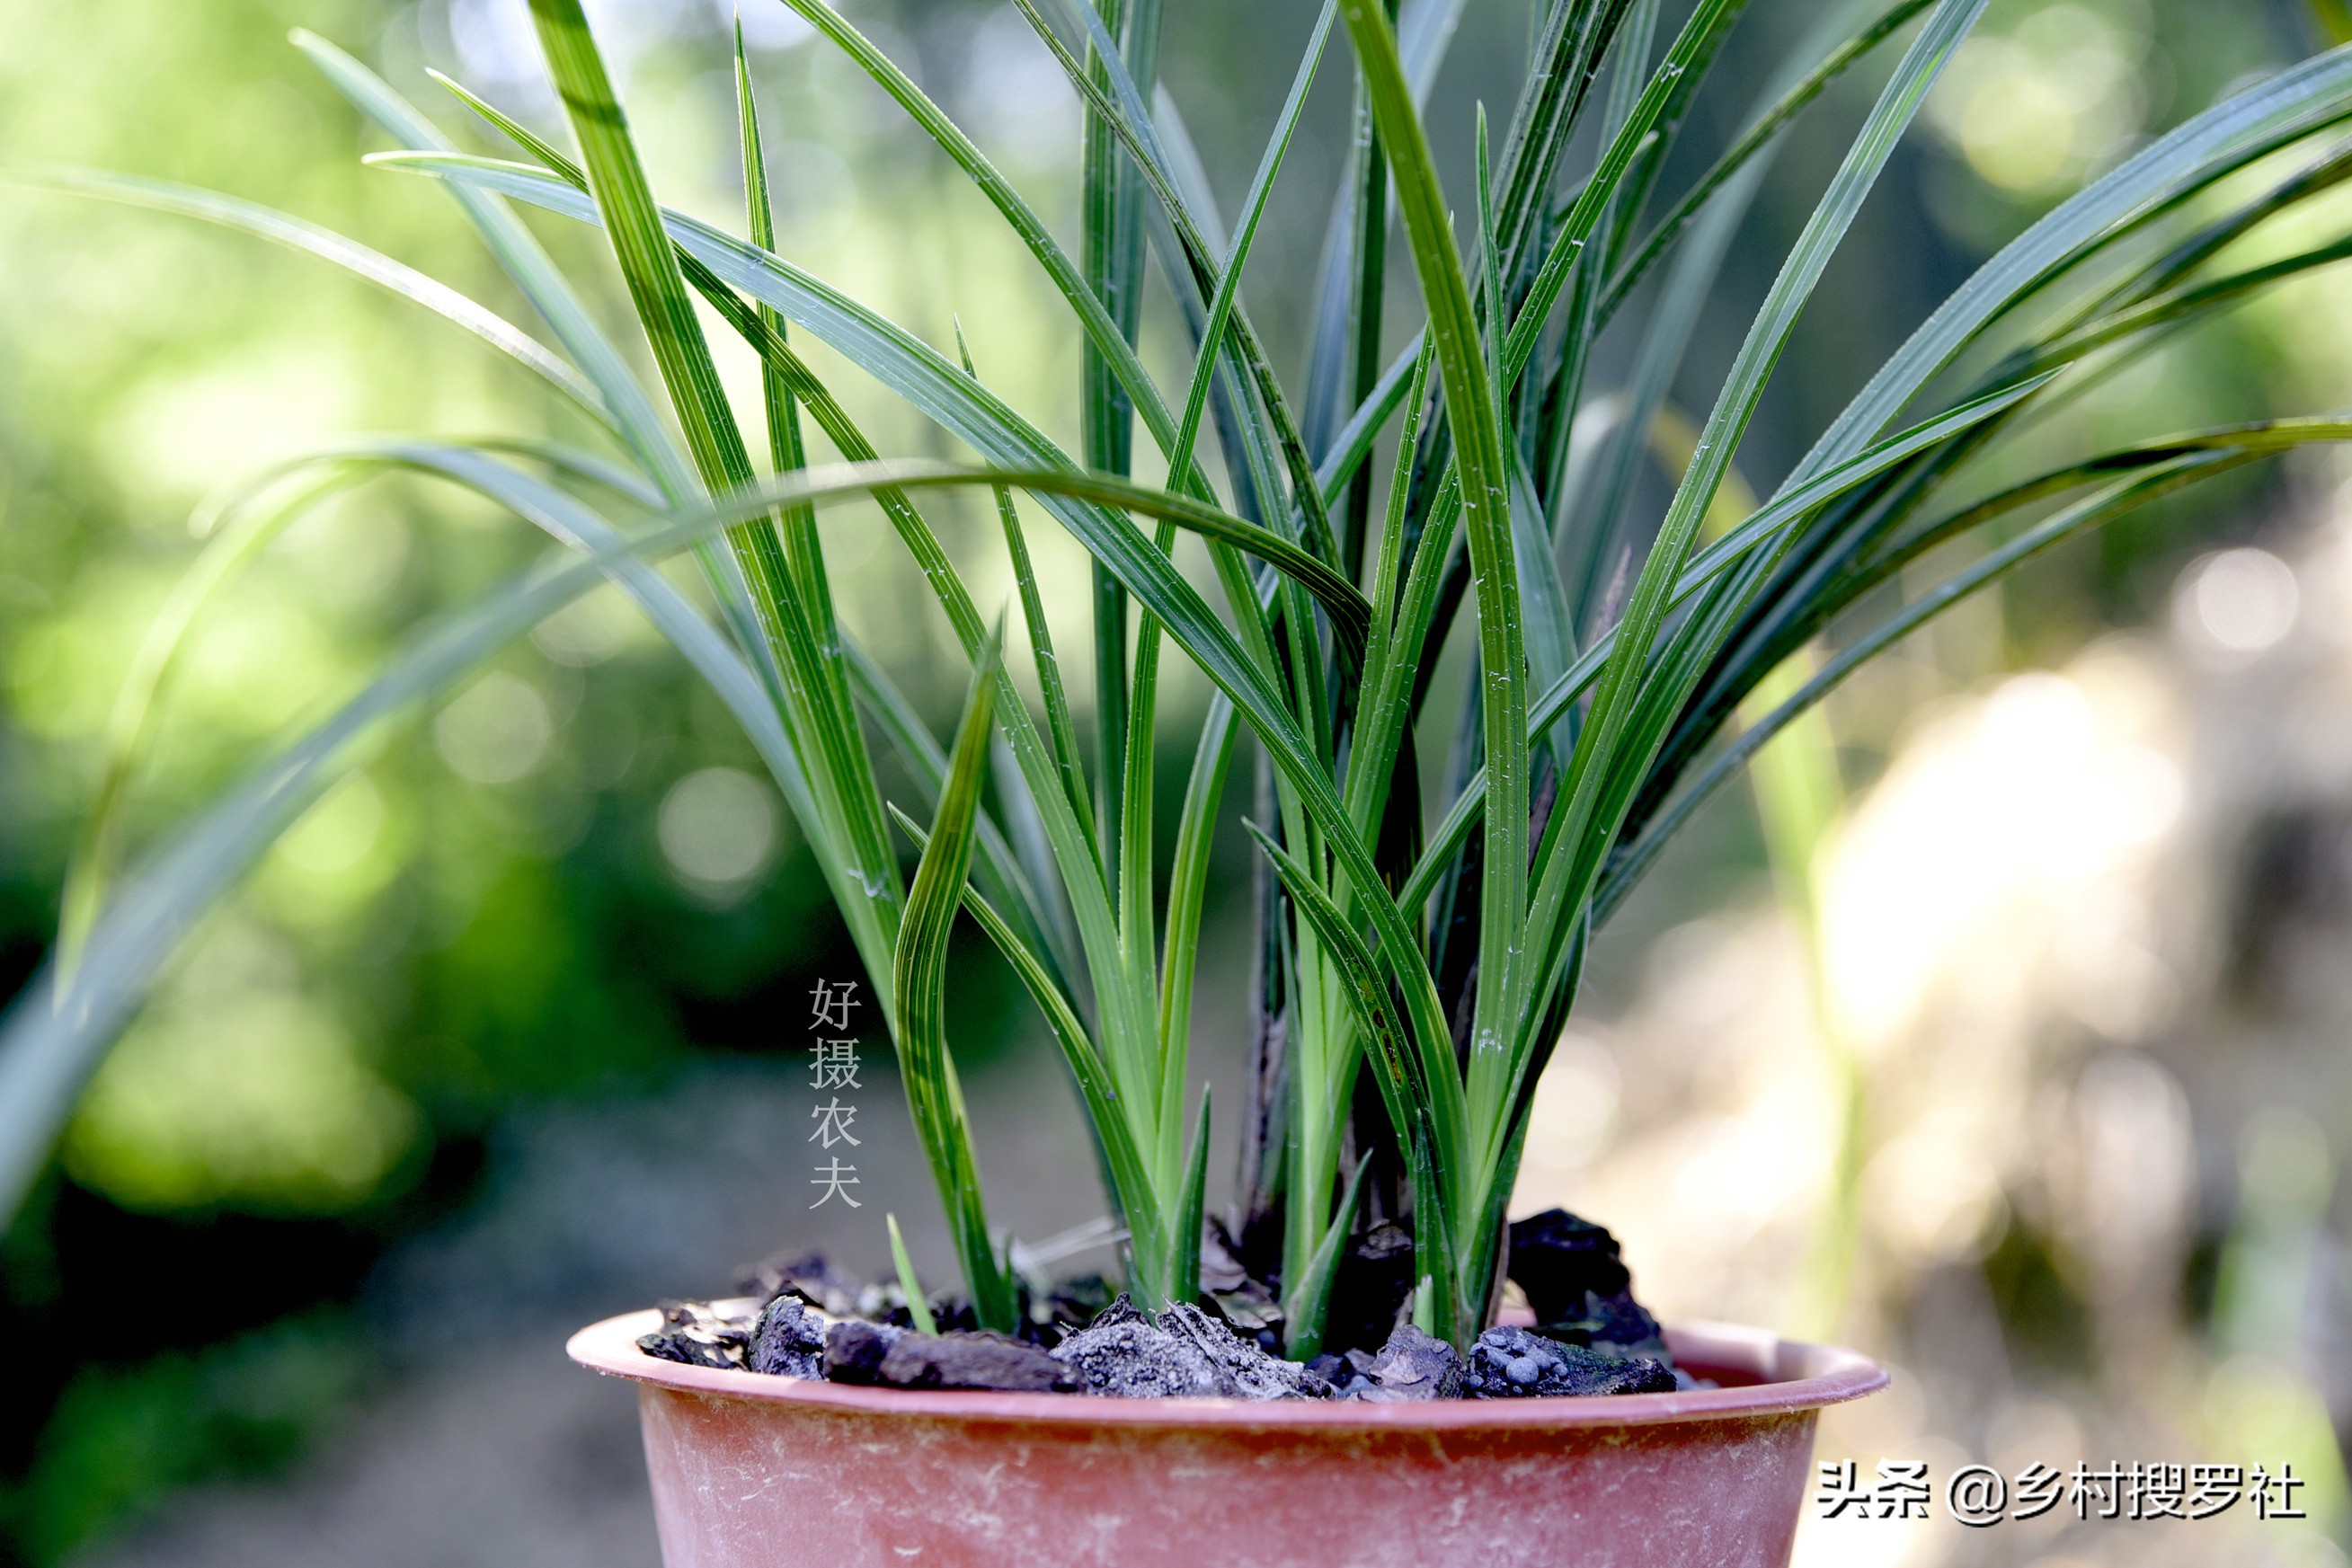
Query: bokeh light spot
[(2240, 601), (257, 1097), (496, 732), (589, 630), (718, 830)]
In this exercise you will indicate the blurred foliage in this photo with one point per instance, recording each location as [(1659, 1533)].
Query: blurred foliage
[(572, 877), (550, 887), (121, 1438)]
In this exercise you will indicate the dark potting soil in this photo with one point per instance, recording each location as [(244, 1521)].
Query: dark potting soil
[(894, 1357), (1374, 1279), (804, 1317)]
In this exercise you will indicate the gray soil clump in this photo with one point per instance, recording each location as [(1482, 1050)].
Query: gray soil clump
[(854, 1350), (1518, 1364), (789, 1341), (1410, 1368), (882, 1355), (1127, 1353), (975, 1360)]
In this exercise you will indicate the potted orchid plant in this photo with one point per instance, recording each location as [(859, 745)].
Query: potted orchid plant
[(1376, 1336)]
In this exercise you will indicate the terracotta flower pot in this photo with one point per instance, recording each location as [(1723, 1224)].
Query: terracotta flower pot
[(751, 1471)]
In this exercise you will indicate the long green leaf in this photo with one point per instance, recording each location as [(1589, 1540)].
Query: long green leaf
[(918, 1309), (53, 1036), (298, 234), (1701, 36), (2295, 103), (919, 977), (920, 374), (527, 263), (1309, 1304), (815, 688), (1001, 872), (1188, 260), (1485, 505), (1192, 1205), (1103, 334), (1560, 887), (633, 224), (1760, 133), (1061, 727), (1188, 879), (235, 529), (1221, 305), (1784, 511), (1138, 1200), (2090, 512), (1410, 1082)]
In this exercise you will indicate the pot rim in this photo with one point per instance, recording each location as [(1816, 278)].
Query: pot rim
[(1794, 1377)]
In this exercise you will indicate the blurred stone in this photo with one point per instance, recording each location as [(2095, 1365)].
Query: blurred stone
[(1518, 1363), (695, 1334), (673, 1346), (950, 1311), (1559, 1259), (1617, 1324), (811, 1275), (1229, 1291)]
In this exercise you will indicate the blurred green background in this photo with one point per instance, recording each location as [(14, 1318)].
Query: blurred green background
[(502, 1037)]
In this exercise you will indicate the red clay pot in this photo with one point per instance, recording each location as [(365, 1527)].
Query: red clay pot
[(751, 1471)]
